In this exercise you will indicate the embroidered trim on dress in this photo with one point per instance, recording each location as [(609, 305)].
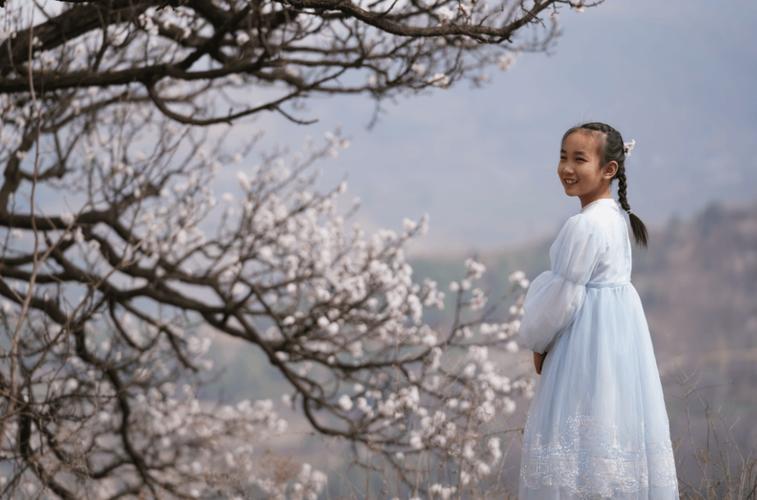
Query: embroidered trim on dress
[(589, 459)]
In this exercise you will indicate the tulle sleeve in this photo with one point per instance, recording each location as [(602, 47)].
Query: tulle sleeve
[(555, 296)]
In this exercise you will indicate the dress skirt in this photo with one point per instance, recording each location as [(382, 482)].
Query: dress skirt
[(597, 426)]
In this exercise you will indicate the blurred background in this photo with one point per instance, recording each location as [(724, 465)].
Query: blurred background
[(679, 78)]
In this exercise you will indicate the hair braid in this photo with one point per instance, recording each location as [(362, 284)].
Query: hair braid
[(613, 149)]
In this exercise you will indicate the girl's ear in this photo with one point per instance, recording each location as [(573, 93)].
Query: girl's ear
[(611, 168)]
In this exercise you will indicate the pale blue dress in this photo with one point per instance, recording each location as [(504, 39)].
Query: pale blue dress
[(597, 426)]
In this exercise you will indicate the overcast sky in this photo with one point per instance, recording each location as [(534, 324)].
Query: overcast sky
[(677, 76)]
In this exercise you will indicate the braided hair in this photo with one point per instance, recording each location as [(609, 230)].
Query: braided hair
[(613, 149)]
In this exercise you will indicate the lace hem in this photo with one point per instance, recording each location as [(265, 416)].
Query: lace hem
[(589, 459)]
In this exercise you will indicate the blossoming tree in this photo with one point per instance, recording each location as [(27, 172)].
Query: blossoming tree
[(119, 259)]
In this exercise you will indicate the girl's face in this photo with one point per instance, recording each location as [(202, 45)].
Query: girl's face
[(580, 169)]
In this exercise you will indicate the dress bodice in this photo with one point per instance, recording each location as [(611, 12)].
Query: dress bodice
[(615, 262), (592, 249)]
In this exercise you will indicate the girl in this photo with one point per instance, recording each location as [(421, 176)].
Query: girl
[(597, 426)]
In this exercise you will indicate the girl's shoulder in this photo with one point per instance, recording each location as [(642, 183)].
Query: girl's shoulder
[(580, 228), (602, 219), (581, 223)]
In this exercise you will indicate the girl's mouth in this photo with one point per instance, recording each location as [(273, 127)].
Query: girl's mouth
[(570, 181)]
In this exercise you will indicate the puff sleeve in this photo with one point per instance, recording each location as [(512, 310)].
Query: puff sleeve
[(556, 295)]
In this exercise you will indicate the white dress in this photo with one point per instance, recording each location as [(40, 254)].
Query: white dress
[(597, 426)]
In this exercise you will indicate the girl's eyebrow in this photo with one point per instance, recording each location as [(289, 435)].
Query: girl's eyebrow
[(579, 152)]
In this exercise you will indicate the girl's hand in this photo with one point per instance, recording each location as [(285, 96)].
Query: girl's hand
[(538, 361)]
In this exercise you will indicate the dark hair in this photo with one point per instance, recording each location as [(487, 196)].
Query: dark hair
[(613, 149)]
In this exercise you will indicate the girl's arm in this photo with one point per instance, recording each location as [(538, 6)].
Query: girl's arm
[(555, 296)]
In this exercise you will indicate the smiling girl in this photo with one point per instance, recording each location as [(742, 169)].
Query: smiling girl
[(597, 426)]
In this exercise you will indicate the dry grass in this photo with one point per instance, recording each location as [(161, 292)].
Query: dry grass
[(711, 465)]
